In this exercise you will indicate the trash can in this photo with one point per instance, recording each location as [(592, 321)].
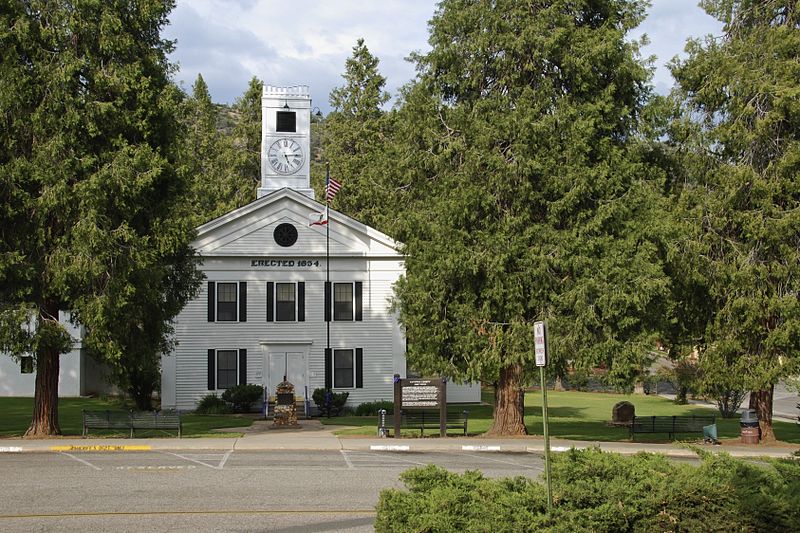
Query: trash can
[(710, 434), (750, 432)]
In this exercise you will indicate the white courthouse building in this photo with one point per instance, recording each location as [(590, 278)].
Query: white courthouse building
[(267, 309)]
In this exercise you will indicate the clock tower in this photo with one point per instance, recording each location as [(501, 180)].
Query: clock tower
[(285, 139)]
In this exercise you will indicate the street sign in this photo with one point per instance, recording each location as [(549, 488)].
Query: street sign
[(541, 353), (540, 343)]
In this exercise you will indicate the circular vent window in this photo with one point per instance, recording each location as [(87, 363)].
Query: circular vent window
[(285, 235)]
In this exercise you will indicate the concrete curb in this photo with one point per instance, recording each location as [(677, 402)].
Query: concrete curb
[(326, 441)]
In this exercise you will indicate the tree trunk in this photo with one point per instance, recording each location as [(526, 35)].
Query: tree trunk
[(45, 401), (761, 401), (508, 416), (559, 384)]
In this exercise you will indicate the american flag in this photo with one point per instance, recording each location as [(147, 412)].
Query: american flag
[(331, 188)]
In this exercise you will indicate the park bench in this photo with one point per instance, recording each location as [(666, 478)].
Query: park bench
[(429, 419), (131, 420), (672, 425)]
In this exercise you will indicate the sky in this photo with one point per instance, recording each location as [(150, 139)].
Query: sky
[(306, 42)]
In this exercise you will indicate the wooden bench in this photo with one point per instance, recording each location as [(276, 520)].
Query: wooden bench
[(131, 420), (423, 420), (672, 425), (156, 420)]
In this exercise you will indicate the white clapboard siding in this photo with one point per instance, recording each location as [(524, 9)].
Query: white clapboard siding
[(240, 247)]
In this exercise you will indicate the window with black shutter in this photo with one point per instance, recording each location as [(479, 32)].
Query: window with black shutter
[(343, 301), (227, 368), (227, 306), (285, 302), (343, 369), (347, 301)]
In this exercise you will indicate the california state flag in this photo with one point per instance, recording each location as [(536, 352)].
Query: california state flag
[(318, 219)]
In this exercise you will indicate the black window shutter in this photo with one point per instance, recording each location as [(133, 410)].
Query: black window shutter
[(359, 368), (242, 301), (327, 301), (242, 366), (270, 301), (212, 297), (301, 302), (358, 299), (328, 368), (211, 369)]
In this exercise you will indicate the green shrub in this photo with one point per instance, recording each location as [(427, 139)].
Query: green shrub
[(242, 397), (372, 408), (602, 492), (211, 404), (333, 405)]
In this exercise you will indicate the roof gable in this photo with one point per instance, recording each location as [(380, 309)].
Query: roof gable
[(249, 231)]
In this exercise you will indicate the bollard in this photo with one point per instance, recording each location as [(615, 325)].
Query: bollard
[(382, 431)]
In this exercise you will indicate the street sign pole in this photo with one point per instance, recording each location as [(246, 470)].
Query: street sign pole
[(542, 353)]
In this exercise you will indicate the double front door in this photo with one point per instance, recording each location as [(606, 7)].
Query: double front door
[(291, 365)]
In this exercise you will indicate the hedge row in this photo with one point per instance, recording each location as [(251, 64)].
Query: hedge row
[(602, 492)]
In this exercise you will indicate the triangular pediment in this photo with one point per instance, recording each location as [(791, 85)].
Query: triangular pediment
[(249, 231)]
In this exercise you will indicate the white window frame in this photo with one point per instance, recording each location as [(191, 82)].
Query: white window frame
[(274, 302), (352, 301), (353, 373), (216, 367), (216, 300)]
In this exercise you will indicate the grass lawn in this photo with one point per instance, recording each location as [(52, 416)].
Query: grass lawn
[(582, 416), (15, 417)]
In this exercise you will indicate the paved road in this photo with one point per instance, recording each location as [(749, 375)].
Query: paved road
[(207, 490)]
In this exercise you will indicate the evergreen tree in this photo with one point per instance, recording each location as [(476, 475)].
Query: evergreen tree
[(216, 163), (247, 136), (522, 195), (739, 143), (355, 137), (90, 199)]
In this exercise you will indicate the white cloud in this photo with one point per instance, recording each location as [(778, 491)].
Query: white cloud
[(307, 42)]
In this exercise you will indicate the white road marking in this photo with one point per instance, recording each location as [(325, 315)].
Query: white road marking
[(187, 458), (390, 448), (87, 463), (288, 468), (10, 449), (470, 448), (347, 459), (487, 458), (396, 458), (225, 459), (160, 467)]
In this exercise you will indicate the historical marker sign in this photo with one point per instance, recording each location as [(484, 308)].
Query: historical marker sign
[(420, 393), (540, 343)]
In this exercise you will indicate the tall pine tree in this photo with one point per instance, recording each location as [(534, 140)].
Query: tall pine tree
[(247, 136), (739, 143), (90, 198), (523, 195), (218, 164), (355, 138)]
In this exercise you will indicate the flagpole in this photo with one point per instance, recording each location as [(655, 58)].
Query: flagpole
[(328, 254)]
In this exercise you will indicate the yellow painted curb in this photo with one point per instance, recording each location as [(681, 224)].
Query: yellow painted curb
[(102, 448)]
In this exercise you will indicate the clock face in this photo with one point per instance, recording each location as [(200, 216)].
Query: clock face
[(285, 156)]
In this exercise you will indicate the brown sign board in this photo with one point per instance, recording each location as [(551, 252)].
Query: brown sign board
[(420, 394)]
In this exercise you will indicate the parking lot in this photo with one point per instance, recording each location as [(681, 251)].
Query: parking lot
[(221, 490)]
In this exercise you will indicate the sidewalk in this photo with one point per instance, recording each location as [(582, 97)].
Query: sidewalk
[(313, 436)]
